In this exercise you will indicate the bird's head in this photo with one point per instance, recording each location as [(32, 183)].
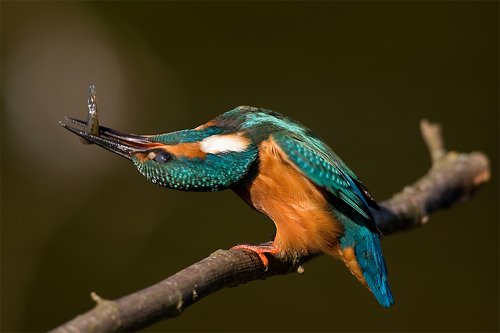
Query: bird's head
[(211, 157)]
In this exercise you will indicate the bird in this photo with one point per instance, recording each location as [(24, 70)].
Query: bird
[(278, 167)]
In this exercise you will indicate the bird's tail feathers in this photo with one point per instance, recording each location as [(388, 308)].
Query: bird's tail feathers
[(369, 256), (361, 252)]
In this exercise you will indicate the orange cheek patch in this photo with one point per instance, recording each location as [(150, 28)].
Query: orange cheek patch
[(189, 150)]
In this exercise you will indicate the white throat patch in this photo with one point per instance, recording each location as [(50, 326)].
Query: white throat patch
[(224, 143)]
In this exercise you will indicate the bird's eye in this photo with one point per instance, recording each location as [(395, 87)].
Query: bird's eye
[(163, 157)]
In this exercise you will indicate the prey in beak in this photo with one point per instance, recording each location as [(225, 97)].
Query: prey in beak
[(90, 132), (123, 144)]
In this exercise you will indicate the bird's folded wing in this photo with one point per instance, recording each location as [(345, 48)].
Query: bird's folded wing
[(313, 158)]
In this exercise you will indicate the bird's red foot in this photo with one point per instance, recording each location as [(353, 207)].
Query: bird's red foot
[(260, 249)]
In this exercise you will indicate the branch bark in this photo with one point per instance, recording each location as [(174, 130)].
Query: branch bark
[(453, 178)]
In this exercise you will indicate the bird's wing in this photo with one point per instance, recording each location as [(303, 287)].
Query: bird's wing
[(313, 158)]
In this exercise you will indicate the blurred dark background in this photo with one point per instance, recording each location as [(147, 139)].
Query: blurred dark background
[(76, 219)]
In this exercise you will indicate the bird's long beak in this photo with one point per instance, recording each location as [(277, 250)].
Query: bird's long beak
[(119, 143)]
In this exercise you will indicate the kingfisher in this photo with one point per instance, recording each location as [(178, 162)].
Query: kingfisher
[(278, 167)]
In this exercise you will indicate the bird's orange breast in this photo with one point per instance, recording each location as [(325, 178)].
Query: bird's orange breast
[(300, 211)]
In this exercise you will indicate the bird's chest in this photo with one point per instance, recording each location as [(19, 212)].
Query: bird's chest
[(300, 211)]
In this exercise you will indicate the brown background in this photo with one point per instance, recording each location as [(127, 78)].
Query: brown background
[(77, 219)]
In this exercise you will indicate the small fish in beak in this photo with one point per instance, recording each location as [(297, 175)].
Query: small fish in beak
[(90, 132)]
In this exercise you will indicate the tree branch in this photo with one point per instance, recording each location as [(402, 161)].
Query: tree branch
[(453, 178)]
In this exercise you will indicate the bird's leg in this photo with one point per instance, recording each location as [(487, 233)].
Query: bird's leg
[(260, 249)]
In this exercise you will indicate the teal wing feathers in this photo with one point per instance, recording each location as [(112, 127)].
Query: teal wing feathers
[(320, 164), (323, 167)]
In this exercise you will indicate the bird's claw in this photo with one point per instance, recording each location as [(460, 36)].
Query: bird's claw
[(260, 250)]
